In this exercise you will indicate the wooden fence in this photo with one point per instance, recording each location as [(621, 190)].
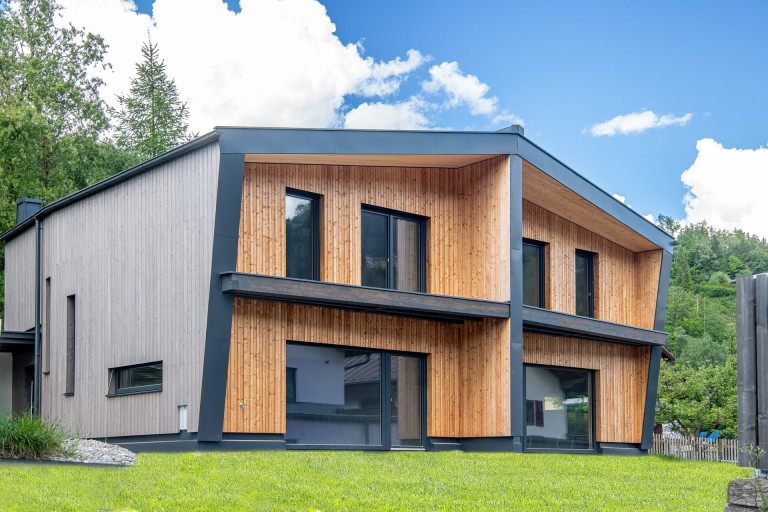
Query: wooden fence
[(694, 448)]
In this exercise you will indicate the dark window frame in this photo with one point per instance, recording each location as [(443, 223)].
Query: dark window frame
[(392, 215), (542, 246), (290, 378), (592, 409), (315, 199), (114, 381), (69, 382), (590, 256)]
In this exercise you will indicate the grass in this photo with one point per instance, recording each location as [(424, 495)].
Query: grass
[(371, 481), (27, 436)]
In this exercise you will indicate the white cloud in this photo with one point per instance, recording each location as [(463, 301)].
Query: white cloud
[(619, 198), (461, 89), (637, 122), (407, 115), (650, 218), (725, 187), (274, 63)]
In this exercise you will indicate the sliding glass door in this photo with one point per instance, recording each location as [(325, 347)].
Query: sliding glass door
[(350, 397)]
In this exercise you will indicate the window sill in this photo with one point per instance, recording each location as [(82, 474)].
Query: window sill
[(148, 389), (69, 394)]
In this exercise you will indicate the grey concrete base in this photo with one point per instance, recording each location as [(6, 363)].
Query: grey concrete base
[(443, 444), (492, 444), (187, 442)]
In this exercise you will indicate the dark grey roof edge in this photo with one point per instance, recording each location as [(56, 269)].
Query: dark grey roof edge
[(110, 182), (514, 128), (605, 201)]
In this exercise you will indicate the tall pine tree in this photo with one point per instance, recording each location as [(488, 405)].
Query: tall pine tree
[(152, 119)]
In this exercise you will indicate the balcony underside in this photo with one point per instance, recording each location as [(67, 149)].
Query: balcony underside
[(361, 298), (544, 321), (15, 341)]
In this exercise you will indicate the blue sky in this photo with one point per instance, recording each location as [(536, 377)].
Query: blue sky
[(561, 68)]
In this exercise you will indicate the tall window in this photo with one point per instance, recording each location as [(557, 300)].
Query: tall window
[(585, 286), (70, 375), (302, 245), (533, 273), (393, 250)]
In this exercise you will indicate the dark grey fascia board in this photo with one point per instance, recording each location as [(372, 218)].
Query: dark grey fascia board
[(110, 182), (15, 341), (360, 298), (555, 323), (571, 179), (365, 142)]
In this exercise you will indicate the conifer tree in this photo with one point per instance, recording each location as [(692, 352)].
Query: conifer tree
[(152, 119)]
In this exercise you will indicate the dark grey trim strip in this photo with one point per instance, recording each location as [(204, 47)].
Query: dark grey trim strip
[(110, 182), (364, 142), (360, 298), (592, 193), (188, 442), (650, 398), (516, 369), (662, 292), (220, 305), (761, 364), (492, 444), (555, 323)]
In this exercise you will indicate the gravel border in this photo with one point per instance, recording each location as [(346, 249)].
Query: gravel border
[(90, 451)]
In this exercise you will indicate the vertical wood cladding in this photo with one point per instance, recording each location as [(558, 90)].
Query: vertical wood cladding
[(467, 231), (467, 364), (621, 377), (20, 282), (137, 256), (626, 283)]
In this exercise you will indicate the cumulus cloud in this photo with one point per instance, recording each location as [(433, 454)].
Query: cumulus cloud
[(637, 122), (717, 191), (407, 115), (619, 198), (461, 89), (623, 200), (274, 63)]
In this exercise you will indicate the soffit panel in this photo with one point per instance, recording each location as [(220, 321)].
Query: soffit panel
[(546, 192)]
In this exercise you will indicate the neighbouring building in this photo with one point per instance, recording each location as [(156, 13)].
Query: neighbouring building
[(292, 288)]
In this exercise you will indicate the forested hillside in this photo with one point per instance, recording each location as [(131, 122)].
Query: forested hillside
[(698, 391)]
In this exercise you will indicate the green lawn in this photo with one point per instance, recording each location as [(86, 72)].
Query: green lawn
[(371, 481)]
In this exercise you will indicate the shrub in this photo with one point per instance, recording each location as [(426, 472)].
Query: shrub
[(719, 278), (28, 436)]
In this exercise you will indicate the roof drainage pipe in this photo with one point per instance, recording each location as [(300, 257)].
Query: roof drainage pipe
[(36, 382)]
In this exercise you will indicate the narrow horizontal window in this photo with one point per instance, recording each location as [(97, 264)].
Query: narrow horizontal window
[(139, 378)]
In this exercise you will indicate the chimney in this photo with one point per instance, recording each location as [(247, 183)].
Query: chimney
[(26, 207)]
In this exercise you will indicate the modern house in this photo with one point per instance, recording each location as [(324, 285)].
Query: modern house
[(291, 288)]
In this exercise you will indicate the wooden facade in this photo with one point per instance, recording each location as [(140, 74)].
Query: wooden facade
[(621, 378), (149, 240), (467, 230), (467, 364)]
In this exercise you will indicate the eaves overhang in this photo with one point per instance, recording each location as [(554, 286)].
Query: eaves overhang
[(110, 182), (361, 298), (554, 323), (17, 341)]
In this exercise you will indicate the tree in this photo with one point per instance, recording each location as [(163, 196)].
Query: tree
[(51, 115), (152, 119)]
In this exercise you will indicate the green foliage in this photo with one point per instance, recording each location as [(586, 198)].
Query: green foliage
[(28, 436), (152, 119), (51, 115), (698, 391), (327, 480), (697, 399)]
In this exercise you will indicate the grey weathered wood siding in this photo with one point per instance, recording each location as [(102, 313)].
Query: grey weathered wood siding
[(137, 257), (20, 282)]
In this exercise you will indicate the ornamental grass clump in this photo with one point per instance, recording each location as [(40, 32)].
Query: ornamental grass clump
[(27, 436)]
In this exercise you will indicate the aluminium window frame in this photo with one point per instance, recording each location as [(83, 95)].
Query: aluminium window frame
[(315, 199), (392, 215), (592, 410), (385, 394), (542, 270), (114, 379), (590, 256)]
